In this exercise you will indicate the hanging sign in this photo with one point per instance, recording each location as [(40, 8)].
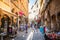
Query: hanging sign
[(21, 13)]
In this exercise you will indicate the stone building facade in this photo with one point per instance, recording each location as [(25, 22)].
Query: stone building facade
[(51, 15)]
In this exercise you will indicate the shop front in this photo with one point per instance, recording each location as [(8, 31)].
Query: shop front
[(8, 23)]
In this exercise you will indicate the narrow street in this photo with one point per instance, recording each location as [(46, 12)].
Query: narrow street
[(23, 35), (29, 19), (31, 35), (38, 35)]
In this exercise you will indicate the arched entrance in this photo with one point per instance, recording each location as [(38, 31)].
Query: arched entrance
[(58, 20), (49, 19), (5, 23), (53, 23)]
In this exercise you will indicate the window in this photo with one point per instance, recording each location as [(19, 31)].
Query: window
[(28, 1), (37, 5), (32, 7), (58, 16), (34, 11), (35, 2)]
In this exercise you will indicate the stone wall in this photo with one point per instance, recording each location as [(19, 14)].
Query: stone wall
[(52, 13)]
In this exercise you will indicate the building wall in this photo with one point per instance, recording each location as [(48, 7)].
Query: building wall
[(24, 6), (7, 5), (4, 6), (51, 19), (17, 5), (35, 9), (54, 8)]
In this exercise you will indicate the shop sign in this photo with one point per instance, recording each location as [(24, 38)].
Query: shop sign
[(21, 13)]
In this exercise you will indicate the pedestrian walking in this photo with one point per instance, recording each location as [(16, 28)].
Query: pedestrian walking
[(42, 29), (33, 27), (26, 28), (21, 27)]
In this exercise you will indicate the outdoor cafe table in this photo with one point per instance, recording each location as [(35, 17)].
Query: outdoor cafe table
[(57, 36)]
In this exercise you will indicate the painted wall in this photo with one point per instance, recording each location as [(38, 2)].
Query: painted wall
[(5, 7)]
